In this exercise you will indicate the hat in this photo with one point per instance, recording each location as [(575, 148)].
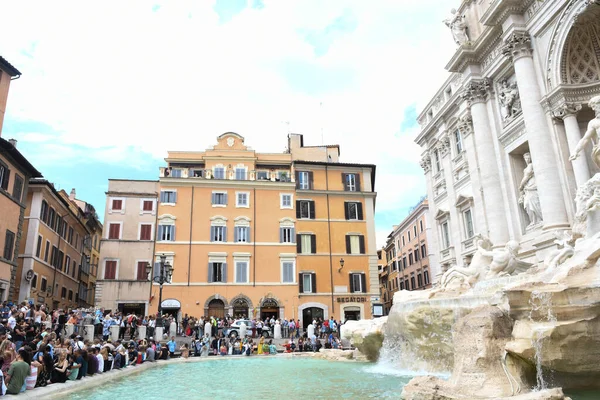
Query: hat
[(151, 338), (79, 337)]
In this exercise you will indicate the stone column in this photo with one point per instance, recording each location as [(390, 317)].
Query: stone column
[(141, 332), (114, 332), (432, 248), (476, 93), (455, 222), (568, 113), (159, 333), (543, 157), (88, 333)]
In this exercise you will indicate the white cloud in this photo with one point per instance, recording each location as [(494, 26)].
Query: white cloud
[(119, 78)]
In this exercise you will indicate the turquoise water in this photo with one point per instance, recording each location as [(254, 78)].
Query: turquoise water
[(253, 378)]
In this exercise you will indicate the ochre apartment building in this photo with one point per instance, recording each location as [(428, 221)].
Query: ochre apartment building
[(289, 235)]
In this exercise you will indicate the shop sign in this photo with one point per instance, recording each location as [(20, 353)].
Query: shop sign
[(269, 303), (132, 305), (351, 299), (170, 303)]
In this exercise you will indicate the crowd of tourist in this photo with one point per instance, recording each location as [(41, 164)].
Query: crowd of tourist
[(35, 349)]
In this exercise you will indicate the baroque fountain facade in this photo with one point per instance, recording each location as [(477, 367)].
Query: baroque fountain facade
[(511, 141)]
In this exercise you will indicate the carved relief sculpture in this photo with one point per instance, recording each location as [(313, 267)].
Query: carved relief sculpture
[(508, 95), (592, 134), (426, 163), (458, 27), (529, 197), (505, 261)]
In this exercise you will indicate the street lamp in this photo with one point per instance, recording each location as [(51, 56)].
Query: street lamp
[(341, 265), (163, 276)]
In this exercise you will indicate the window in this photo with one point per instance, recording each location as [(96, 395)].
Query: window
[(241, 199), (38, 249), (401, 285), (419, 280), (286, 234), (415, 230), (306, 244), (304, 180), (262, 176), (18, 188), (410, 259), (436, 161), (63, 292), (412, 282), (241, 234), (351, 182), (9, 242), (307, 282), (51, 218), (168, 196), (219, 173), (114, 231), (110, 269), (287, 272), (458, 142), (145, 232), (286, 201), (240, 174), (141, 274), (70, 235), (305, 209), (217, 272), (147, 205), (4, 176), (44, 212), (74, 271), (358, 283), (423, 251), (166, 233), (175, 173), (241, 272), (354, 211), (64, 229), (355, 244), (408, 235), (404, 262), (70, 295), (421, 225), (67, 264), (403, 244), (416, 253), (117, 204), (47, 251), (218, 234), (468, 217), (43, 285), (445, 235), (426, 277), (34, 281), (219, 198), (59, 260)]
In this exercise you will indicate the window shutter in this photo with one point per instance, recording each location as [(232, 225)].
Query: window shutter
[(357, 182), (225, 198), (312, 209), (213, 199), (351, 286), (345, 181), (210, 273), (236, 235), (280, 235), (292, 233), (348, 246), (173, 234), (363, 282), (313, 278), (224, 233), (212, 233), (224, 271), (360, 211), (311, 183), (297, 173), (298, 244), (298, 209), (248, 235), (347, 211), (6, 179), (313, 244), (361, 240), (300, 283)]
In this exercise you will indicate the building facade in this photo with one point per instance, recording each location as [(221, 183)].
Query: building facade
[(7, 73), (289, 235), (127, 246), (497, 136), (52, 254)]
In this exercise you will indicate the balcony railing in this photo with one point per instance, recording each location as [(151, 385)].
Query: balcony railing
[(230, 174)]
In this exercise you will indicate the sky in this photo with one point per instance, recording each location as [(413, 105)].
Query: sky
[(107, 88)]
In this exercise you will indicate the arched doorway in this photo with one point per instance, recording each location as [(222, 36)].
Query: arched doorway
[(240, 308), (311, 313), (269, 308), (216, 308)]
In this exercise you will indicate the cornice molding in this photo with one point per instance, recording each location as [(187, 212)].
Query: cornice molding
[(569, 95), (499, 10), (474, 52)]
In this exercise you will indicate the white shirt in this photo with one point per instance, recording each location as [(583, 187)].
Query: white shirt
[(100, 362), (12, 322)]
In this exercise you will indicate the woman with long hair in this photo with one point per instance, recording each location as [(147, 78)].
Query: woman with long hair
[(59, 374), (8, 354)]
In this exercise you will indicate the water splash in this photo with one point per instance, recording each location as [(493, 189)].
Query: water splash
[(542, 315)]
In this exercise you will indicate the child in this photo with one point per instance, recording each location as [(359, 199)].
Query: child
[(185, 351)]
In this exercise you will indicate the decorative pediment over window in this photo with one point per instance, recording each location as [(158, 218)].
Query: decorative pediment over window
[(167, 218), (441, 214), (218, 220), (286, 221), (242, 221), (463, 200)]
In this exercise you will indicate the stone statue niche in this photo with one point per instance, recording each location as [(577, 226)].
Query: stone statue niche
[(510, 102), (526, 189)]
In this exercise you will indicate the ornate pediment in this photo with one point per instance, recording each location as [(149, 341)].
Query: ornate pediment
[(463, 200), (441, 214)]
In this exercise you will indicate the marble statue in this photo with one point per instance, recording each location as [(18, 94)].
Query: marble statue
[(505, 261), (529, 197), (565, 241), (476, 271), (592, 134), (508, 94), (458, 26)]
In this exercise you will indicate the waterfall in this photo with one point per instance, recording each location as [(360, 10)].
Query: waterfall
[(542, 315)]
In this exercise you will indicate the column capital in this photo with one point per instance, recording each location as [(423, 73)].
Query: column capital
[(477, 91), (465, 125), (426, 162), (564, 110), (517, 45), (444, 145)]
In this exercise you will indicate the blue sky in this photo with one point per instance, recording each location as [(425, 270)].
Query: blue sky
[(107, 90)]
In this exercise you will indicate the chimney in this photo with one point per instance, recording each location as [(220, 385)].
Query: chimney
[(13, 142), (72, 195)]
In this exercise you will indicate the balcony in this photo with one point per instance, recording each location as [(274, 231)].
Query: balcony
[(229, 174), (447, 254)]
